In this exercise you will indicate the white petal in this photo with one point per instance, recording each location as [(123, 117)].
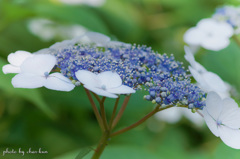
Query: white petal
[(230, 115), (198, 67), (223, 29), (117, 44), (38, 64), (110, 79), (198, 77), (88, 78), (215, 43), (92, 37), (211, 123), (217, 28), (194, 36), (26, 80), (223, 95), (190, 58), (100, 92), (10, 69), (121, 90), (230, 137), (56, 81), (214, 105), (207, 25), (215, 82), (45, 51), (62, 44), (18, 57)]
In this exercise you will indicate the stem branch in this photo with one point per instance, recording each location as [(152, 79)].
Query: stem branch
[(97, 97), (114, 113), (121, 111), (157, 109), (236, 40), (95, 110), (103, 113)]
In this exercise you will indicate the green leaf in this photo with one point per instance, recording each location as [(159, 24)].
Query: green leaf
[(31, 95)]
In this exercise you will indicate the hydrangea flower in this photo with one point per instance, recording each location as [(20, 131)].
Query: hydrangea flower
[(106, 83), (165, 80), (35, 73), (138, 67), (230, 15), (209, 34), (208, 81), (15, 59), (223, 119)]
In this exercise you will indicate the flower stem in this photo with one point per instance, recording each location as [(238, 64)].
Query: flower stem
[(236, 40), (102, 144), (103, 113), (157, 109), (114, 112), (121, 111), (95, 110), (97, 97)]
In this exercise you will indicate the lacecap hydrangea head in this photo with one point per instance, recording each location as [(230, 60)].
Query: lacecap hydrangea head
[(139, 67)]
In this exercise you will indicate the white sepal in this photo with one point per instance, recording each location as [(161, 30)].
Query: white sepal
[(28, 80), (56, 81)]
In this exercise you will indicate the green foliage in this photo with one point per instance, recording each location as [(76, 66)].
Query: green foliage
[(66, 126), (32, 95)]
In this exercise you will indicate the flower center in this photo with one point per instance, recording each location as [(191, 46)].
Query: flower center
[(210, 34), (104, 87), (219, 122), (46, 74)]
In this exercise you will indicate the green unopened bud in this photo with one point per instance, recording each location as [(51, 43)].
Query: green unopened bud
[(153, 101), (194, 110), (77, 83), (74, 81), (163, 106)]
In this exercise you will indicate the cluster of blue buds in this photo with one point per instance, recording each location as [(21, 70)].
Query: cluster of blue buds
[(139, 67)]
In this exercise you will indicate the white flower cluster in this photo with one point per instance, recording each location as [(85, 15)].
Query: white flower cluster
[(34, 71), (208, 81), (37, 70), (221, 113), (48, 30), (229, 14), (223, 119), (209, 34)]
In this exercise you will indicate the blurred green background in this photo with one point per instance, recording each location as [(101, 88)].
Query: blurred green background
[(63, 123)]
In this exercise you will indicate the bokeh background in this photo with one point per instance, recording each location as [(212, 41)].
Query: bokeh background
[(63, 123)]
